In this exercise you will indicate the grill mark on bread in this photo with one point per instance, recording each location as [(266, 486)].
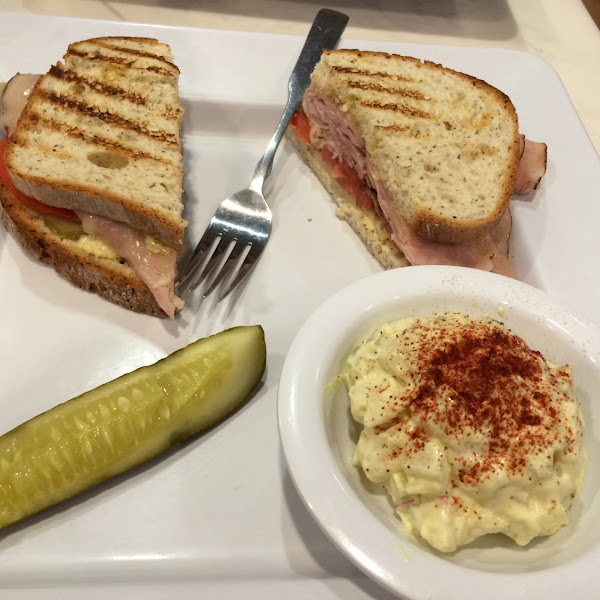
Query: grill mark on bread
[(402, 108), (395, 127), (118, 60), (171, 112), (159, 71), (98, 86), (375, 87), (110, 118), (365, 73), (137, 53), (76, 133)]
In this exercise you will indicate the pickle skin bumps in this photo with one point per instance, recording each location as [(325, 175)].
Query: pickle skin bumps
[(127, 421)]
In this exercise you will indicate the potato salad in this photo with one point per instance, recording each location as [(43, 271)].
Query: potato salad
[(470, 431)]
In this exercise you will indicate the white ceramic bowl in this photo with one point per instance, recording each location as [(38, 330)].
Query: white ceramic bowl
[(318, 436)]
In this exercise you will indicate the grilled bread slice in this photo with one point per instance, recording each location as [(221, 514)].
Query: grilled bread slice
[(441, 146), (101, 134), (85, 262)]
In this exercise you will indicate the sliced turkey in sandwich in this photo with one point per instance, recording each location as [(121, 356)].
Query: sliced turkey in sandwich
[(92, 176), (421, 160)]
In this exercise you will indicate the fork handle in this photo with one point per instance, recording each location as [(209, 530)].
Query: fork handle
[(325, 32)]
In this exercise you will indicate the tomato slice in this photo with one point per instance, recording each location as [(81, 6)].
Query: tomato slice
[(302, 126), (345, 175), (32, 203), (328, 158), (349, 180), (366, 199)]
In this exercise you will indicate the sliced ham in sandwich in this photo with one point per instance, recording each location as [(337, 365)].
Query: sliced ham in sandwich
[(422, 160)]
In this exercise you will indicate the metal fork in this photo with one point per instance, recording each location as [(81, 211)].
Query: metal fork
[(240, 228)]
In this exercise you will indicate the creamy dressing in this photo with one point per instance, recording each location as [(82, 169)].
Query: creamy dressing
[(470, 431), (96, 246)]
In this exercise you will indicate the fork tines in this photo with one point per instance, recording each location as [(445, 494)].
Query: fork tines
[(218, 259)]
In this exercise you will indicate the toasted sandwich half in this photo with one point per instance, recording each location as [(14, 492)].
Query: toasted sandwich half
[(421, 160), (93, 176)]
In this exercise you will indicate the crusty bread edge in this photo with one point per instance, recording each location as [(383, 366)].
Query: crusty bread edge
[(118, 285), (63, 195), (428, 224), (433, 226), (369, 226)]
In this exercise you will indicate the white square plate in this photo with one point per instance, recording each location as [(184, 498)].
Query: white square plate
[(221, 513)]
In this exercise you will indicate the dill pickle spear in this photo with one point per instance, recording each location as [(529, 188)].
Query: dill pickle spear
[(127, 421)]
